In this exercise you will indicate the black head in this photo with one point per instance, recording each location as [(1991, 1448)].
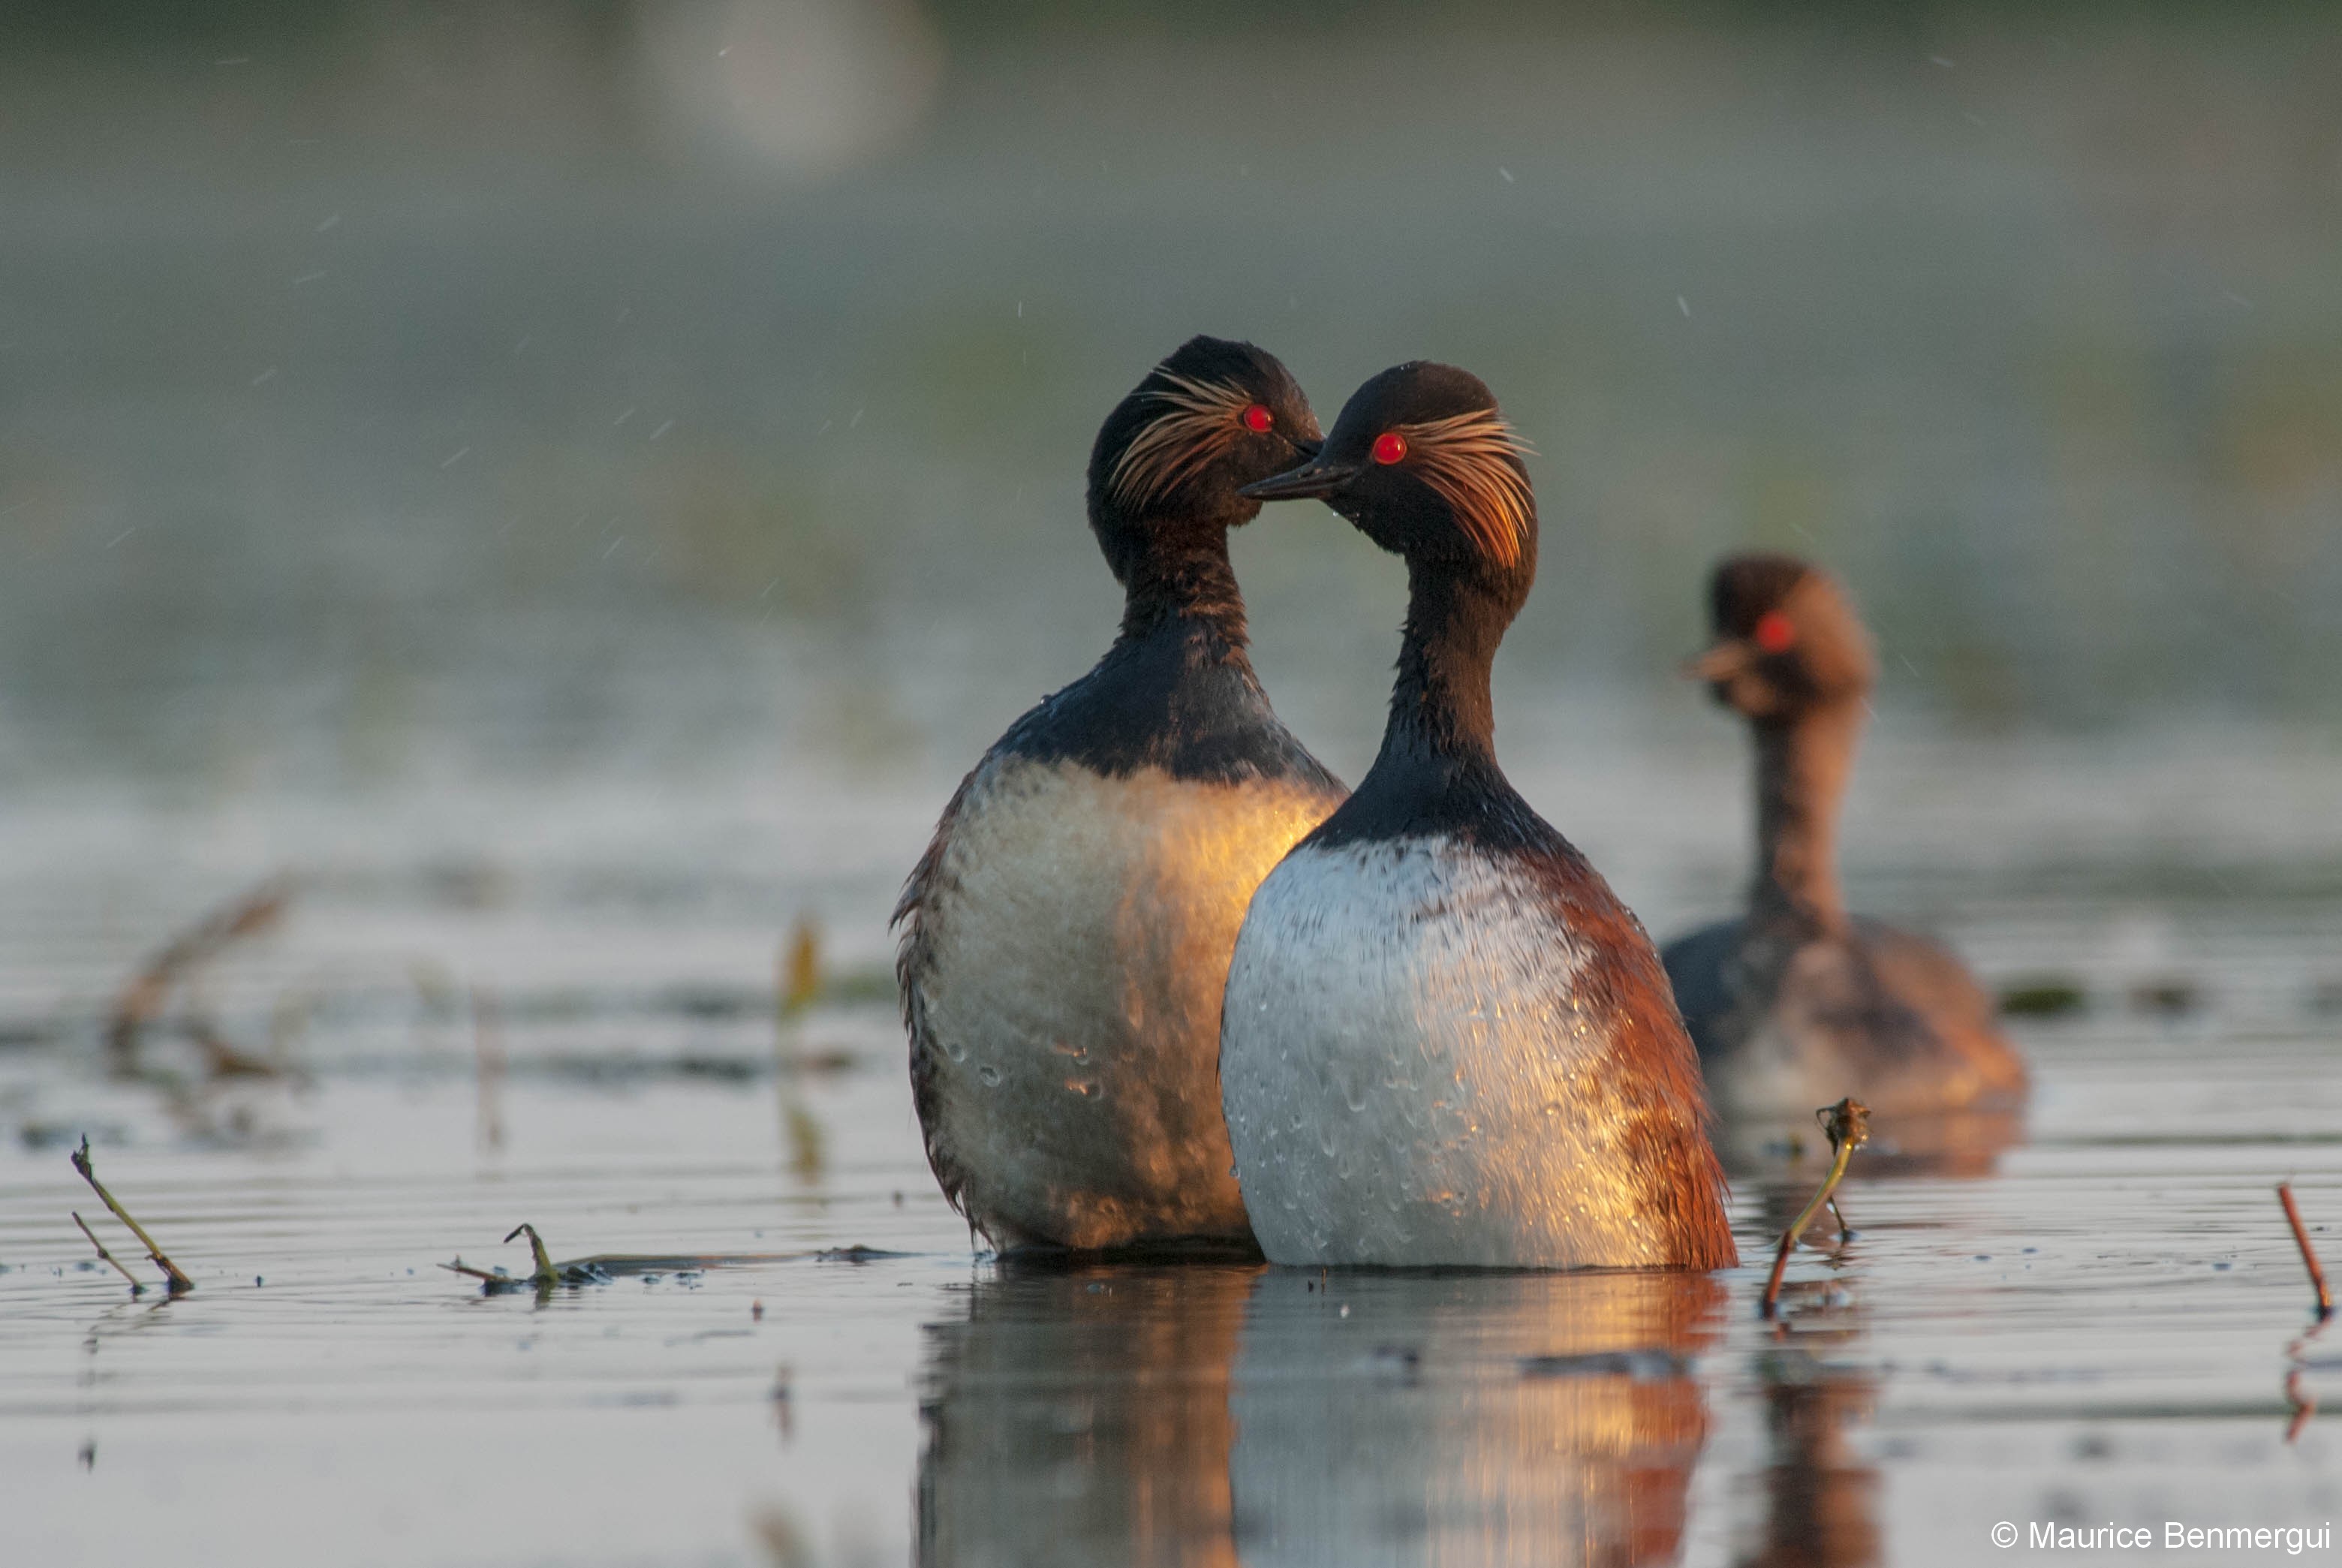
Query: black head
[(1172, 457), (1787, 638), (1425, 466)]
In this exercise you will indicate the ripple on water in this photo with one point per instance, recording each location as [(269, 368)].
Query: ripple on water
[(2061, 1312)]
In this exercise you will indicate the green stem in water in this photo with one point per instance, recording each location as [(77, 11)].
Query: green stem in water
[(546, 1274), (1849, 1125)]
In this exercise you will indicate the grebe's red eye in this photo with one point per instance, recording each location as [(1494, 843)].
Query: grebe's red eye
[(1258, 417), (1389, 446), (1774, 634)]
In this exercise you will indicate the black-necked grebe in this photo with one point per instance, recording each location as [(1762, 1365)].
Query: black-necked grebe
[(1797, 1004), (1445, 1041), (1066, 934)]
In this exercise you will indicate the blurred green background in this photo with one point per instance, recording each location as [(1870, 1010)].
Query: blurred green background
[(520, 388)]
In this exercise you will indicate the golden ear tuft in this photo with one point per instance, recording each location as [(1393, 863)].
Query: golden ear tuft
[(1200, 419), (1472, 460)]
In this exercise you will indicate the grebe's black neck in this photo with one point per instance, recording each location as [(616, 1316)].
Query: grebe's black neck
[(1803, 760), (1441, 709), (1183, 581), (1176, 690), (1437, 773)]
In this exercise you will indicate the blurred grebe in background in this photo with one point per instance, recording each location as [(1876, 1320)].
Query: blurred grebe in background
[(1796, 1003), (1066, 936), (1445, 1041)]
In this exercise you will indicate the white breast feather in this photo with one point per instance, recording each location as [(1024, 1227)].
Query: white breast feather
[(1409, 1075), (1076, 954)]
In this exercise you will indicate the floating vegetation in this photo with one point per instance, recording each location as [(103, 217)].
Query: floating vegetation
[(1848, 1123), (543, 1272), (2044, 997), (179, 1283), (858, 1253), (604, 1268)]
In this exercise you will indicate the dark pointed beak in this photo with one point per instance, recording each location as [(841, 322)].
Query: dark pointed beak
[(1720, 663), (1314, 478)]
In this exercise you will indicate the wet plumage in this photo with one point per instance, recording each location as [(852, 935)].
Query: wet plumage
[(1066, 936), (1445, 1041)]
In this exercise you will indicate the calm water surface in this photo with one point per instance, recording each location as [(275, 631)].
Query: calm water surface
[(2083, 1316), (480, 461)]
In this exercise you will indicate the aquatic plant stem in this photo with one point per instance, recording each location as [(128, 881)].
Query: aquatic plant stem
[(2308, 1253), (489, 1070), (799, 977), (1848, 1123), (136, 1288), (179, 1282), (141, 1002), (547, 1274)]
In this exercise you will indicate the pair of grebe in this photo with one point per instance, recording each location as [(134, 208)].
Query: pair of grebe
[(1166, 982)]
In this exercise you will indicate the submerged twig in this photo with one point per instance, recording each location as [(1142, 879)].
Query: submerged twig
[(1848, 1123), (179, 1282), (2308, 1253), (136, 1288)]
